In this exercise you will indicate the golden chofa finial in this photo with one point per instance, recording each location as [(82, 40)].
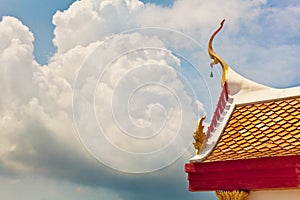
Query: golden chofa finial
[(199, 136), (216, 58)]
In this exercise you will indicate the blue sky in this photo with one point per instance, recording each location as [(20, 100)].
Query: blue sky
[(73, 129)]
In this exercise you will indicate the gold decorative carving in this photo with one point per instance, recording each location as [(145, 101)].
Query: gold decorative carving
[(199, 136), (233, 195), (216, 58)]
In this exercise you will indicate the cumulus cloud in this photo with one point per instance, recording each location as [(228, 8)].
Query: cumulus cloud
[(114, 16), (37, 117), (140, 103), (126, 87), (104, 18), (17, 63)]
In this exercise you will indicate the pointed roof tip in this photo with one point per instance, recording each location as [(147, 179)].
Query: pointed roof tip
[(222, 22), (233, 81)]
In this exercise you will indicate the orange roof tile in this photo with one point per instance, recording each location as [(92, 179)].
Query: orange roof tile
[(271, 128)]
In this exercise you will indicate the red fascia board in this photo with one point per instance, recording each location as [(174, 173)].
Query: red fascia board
[(251, 174)]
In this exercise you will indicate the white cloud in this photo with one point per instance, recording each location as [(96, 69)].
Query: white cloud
[(138, 86), (104, 18), (17, 62), (34, 124), (109, 17)]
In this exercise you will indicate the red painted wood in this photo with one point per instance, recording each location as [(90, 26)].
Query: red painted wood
[(219, 109), (252, 174)]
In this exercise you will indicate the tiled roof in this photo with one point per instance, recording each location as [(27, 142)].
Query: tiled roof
[(265, 129), (254, 134)]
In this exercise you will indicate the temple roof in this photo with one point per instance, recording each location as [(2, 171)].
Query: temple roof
[(253, 140), (251, 120)]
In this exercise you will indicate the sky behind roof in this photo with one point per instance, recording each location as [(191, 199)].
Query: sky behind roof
[(102, 97)]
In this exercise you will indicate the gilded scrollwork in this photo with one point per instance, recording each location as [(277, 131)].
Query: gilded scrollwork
[(233, 195), (199, 136)]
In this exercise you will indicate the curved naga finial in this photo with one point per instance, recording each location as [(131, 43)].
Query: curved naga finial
[(216, 58)]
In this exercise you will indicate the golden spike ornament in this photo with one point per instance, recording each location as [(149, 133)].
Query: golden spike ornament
[(216, 58), (199, 136), (233, 195)]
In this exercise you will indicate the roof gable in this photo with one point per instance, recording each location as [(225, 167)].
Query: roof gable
[(251, 120)]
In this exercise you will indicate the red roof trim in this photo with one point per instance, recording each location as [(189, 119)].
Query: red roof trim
[(219, 109), (252, 174)]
